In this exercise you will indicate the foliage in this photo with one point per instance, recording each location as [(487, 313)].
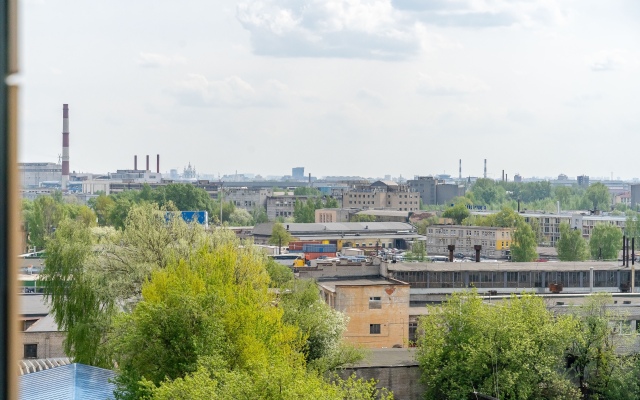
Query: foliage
[(43, 215), (240, 217), (363, 218), (418, 251), (279, 235), (89, 277), (487, 191), (592, 357), (422, 225), (512, 349), (458, 213), (321, 326), (605, 242), (598, 196), (279, 274), (571, 246), (259, 215), (305, 211), (306, 191), (523, 248)]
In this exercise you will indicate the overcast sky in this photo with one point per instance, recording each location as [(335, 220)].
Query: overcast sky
[(351, 87)]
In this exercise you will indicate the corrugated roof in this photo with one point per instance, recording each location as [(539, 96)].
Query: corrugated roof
[(68, 382), (505, 266)]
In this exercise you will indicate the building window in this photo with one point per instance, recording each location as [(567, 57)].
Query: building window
[(374, 329), (375, 303), (31, 350)]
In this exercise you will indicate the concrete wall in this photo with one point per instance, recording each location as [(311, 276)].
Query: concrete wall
[(403, 381), (391, 313), (342, 271)]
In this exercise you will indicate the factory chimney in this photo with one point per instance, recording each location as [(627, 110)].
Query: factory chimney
[(460, 170), (65, 146), (485, 168), (147, 163), (158, 163), (135, 163)]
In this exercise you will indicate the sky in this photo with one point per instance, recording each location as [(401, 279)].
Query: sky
[(341, 87)]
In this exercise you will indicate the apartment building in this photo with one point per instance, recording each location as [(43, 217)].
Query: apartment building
[(382, 195), (495, 241)]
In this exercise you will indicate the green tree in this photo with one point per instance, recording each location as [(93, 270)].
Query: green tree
[(487, 191), (279, 235), (458, 213), (279, 274), (571, 246), (102, 206), (523, 248), (592, 354), (418, 251), (241, 217), (185, 196), (363, 218), (605, 242), (42, 218), (512, 349), (306, 191), (259, 215), (598, 196)]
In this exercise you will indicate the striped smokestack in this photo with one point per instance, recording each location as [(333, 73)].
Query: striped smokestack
[(65, 146)]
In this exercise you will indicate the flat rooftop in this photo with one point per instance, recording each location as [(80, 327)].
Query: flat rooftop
[(508, 266), (332, 284)]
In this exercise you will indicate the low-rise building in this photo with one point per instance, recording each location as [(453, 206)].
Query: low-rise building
[(495, 241), (378, 309), (382, 195), (248, 199)]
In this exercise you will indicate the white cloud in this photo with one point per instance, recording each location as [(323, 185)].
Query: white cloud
[(155, 60), (196, 90), (484, 13), (449, 85), (608, 60), (329, 28)]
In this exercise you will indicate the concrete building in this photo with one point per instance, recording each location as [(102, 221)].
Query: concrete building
[(435, 191), (366, 235), (386, 215), (378, 310), (635, 196), (583, 181), (40, 335), (548, 224), (33, 174), (282, 205), (382, 195), (297, 173), (248, 199), (495, 242), (334, 214)]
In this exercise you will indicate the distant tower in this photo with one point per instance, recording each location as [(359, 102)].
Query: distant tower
[(460, 170), (485, 168), (65, 146)]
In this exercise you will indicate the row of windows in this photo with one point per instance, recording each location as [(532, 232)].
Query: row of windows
[(521, 279)]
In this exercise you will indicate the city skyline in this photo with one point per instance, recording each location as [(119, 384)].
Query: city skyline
[(367, 88)]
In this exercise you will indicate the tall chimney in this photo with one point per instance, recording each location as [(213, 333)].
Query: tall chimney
[(135, 163), (485, 168), (147, 163), (460, 170), (158, 163), (65, 146), (502, 175)]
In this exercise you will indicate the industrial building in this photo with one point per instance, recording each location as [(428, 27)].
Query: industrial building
[(495, 241), (387, 195), (435, 191)]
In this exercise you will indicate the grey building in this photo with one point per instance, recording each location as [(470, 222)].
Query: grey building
[(32, 174), (446, 192), (635, 195), (435, 191), (248, 199)]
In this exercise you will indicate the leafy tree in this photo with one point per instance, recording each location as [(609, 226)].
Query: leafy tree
[(487, 191), (632, 225), (523, 248), (320, 325), (605, 242), (306, 191), (363, 218), (512, 349), (592, 356), (279, 274), (571, 246), (102, 206), (86, 288), (240, 217), (279, 235), (259, 215), (227, 210), (458, 213), (42, 217), (185, 196), (305, 211), (418, 251), (331, 202), (598, 196), (422, 225)]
